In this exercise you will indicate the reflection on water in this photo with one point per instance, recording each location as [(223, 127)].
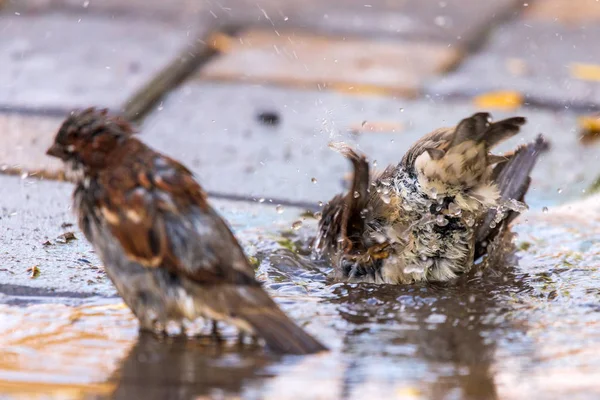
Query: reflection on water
[(526, 329)]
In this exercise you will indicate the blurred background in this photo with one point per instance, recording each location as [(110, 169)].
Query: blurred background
[(248, 94)]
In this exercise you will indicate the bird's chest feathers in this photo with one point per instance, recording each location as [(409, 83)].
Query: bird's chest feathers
[(428, 236)]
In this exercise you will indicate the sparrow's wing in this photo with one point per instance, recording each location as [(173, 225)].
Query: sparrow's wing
[(512, 178), (343, 219), (159, 215)]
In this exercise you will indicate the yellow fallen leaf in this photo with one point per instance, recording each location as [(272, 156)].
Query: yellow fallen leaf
[(220, 42), (585, 72), (588, 123), (504, 100), (589, 128), (408, 392)]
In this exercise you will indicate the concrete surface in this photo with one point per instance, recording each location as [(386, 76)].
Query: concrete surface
[(35, 213), (214, 129), (547, 61), (60, 61), (305, 60)]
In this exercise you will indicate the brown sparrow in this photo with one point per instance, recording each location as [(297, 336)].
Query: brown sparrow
[(169, 254), (436, 212)]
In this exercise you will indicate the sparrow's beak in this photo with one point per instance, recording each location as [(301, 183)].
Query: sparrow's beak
[(55, 151)]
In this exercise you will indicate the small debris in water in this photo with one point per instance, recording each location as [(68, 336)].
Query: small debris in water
[(66, 225), (66, 238), (279, 209), (559, 190), (34, 271), (47, 243), (270, 118), (524, 246), (545, 210), (297, 225), (313, 180)]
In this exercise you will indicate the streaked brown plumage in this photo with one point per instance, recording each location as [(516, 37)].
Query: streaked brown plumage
[(169, 254), (432, 215)]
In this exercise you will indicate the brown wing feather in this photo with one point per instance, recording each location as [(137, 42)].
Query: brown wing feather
[(159, 215)]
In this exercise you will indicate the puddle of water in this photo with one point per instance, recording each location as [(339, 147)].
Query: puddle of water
[(522, 330)]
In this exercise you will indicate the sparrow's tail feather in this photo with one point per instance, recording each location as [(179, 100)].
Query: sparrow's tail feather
[(479, 128), (352, 223), (250, 308), (280, 333), (512, 179)]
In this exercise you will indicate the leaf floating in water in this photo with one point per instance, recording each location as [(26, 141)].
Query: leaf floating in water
[(297, 225), (66, 238), (34, 271)]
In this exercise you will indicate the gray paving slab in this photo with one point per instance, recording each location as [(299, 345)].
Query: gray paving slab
[(286, 57), (155, 9), (62, 61), (546, 61), (215, 129), (34, 214), (449, 22), (453, 22)]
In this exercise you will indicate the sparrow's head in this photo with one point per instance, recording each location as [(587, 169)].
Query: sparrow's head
[(87, 138)]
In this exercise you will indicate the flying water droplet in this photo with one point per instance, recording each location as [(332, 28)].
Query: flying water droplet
[(440, 220), (279, 209), (433, 193), (470, 221), (414, 269), (454, 209), (318, 215), (313, 180), (379, 237), (356, 195), (320, 203), (545, 210), (559, 190), (297, 225), (386, 198), (261, 200)]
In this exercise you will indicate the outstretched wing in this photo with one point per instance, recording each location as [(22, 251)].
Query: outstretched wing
[(159, 215)]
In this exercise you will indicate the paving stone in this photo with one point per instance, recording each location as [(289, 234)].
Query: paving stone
[(214, 129), (144, 8), (580, 12), (313, 61), (548, 63), (35, 213), (24, 141), (449, 22), (61, 61)]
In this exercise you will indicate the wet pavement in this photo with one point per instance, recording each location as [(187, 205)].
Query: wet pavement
[(248, 94)]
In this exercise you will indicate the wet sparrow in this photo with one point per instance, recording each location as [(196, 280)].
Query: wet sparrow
[(436, 212), (169, 254)]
